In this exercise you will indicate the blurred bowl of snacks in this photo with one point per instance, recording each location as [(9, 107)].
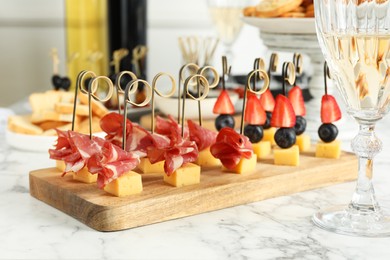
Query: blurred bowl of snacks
[(282, 25), (287, 19), (281, 9), (51, 110)]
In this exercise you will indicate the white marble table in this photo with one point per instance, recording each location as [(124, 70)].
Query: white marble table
[(278, 228)]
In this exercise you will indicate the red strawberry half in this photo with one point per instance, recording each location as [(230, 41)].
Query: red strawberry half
[(283, 114), (223, 105), (254, 112), (296, 98), (330, 111), (267, 101)]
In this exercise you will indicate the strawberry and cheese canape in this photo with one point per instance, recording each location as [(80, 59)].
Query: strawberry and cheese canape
[(72, 153), (203, 138), (328, 147), (234, 151), (284, 118), (224, 107), (256, 118), (267, 101), (296, 98)]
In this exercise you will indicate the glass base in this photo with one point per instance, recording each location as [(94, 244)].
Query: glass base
[(343, 220)]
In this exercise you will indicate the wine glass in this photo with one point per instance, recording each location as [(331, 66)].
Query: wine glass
[(355, 39), (226, 16)]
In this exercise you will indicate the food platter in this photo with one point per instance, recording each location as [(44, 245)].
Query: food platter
[(133, 191), (282, 25)]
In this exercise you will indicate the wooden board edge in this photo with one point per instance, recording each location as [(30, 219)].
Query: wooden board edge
[(241, 192)]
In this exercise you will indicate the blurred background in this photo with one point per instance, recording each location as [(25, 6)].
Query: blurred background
[(30, 29)]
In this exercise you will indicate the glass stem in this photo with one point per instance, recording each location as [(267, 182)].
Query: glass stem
[(365, 145)]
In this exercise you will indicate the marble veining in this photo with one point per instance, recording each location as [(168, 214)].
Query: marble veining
[(278, 228)]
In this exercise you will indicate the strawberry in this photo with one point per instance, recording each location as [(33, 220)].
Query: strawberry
[(223, 105), (330, 111), (296, 98), (239, 91), (267, 101), (254, 112), (283, 114)]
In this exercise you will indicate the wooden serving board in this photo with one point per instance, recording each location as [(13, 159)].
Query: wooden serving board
[(160, 202)]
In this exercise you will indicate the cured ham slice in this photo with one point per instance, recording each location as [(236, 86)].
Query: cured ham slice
[(230, 147), (169, 127), (141, 139), (75, 149), (111, 163), (138, 139), (201, 136), (112, 125), (179, 152)]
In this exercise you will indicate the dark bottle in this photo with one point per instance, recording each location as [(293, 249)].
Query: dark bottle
[(127, 29)]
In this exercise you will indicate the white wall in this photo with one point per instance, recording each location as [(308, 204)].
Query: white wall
[(30, 28)]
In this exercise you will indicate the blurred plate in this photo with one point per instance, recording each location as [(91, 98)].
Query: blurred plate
[(33, 143), (169, 106), (282, 25)]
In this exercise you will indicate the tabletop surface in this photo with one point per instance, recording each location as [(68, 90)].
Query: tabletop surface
[(278, 228)]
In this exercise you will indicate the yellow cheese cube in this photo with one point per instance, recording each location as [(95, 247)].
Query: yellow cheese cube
[(328, 150), (145, 166), (262, 149), (289, 156), (303, 142), (60, 165), (186, 175), (206, 159), (245, 166), (84, 176), (127, 184), (269, 135)]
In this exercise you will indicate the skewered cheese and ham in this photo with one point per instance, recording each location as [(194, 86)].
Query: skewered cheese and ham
[(138, 139), (230, 147), (111, 163), (203, 137), (179, 152), (169, 127), (112, 125), (75, 149)]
